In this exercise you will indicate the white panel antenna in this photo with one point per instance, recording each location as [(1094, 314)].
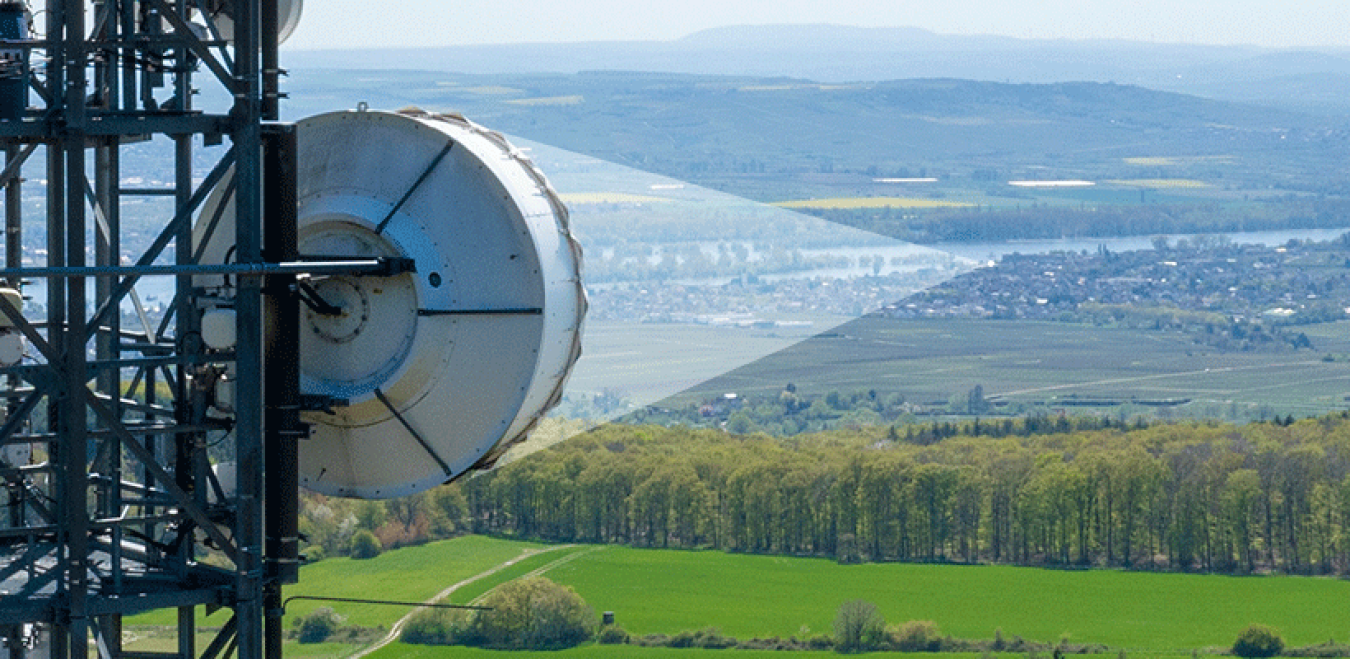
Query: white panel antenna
[(444, 368)]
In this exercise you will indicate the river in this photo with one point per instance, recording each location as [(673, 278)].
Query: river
[(996, 251), (899, 257)]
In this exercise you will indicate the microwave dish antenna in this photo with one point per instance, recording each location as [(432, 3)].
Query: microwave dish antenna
[(222, 14), (436, 371)]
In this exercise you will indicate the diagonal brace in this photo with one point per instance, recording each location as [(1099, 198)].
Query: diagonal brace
[(170, 232), (12, 167), (30, 332), (182, 30), (165, 480), (19, 415), (224, 640)]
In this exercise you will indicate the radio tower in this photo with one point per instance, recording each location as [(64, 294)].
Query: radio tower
[(111, 502), (135, 441)]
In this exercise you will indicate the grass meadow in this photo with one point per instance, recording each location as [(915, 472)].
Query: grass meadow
[(400, 651), (749, 596), (1145, 614), (409, 574), (654, 591)]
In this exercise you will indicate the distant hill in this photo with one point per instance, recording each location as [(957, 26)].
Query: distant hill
[(702, 128), (1305, 80), (830, 38)]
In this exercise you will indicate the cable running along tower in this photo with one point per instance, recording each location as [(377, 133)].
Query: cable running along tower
[(365, 303)]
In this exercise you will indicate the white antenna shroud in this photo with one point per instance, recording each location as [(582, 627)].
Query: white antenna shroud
[(474, 347), (288, 17)]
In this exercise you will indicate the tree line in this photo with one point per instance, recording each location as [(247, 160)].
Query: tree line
[(1190, 496)]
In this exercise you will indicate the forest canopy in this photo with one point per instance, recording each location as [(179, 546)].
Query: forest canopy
[(1193, 496)]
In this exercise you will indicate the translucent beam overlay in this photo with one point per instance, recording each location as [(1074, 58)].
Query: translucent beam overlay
[(687, 283)]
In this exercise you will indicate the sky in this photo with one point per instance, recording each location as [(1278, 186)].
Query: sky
[(430, 23)]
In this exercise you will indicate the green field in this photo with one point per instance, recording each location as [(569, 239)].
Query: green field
[(538, 564), (1049, 363), (747, 596), (759, 596), (400, 651), (409, 574), (655, 591)]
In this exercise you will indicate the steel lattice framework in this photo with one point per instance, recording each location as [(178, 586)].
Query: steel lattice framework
[(113, 508)]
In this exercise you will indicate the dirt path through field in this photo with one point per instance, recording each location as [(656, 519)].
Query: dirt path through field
[(546, 567), (398, 626)]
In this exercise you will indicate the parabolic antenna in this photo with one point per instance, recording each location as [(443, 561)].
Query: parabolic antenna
[(446, 367), (288, 16)]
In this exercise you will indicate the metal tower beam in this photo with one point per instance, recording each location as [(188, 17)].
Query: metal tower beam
[(113, 417)]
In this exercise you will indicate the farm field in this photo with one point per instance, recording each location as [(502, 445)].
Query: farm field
[(1183, 183), (646, 362), (746, 596), (956, 194), (409, 574), (582, 198), (625, 651), (1049, 363), (726, 134), (401, 651), (870, 202)]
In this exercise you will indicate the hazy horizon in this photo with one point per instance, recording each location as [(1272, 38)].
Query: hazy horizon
[(1301, 24), (305, 46)]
